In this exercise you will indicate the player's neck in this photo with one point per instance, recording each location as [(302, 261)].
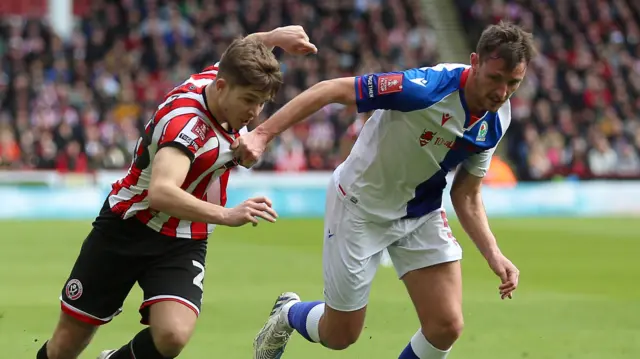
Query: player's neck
[(473, 103), (213, 106)]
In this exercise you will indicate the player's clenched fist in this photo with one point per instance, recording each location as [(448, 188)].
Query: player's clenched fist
[(248, 148), (249, 211), (293, 39)]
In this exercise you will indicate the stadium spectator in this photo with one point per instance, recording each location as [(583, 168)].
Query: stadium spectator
[(80, 105), (577, 113)]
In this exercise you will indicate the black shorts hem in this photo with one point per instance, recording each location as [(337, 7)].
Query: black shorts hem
[(84, 317), (145, 307)]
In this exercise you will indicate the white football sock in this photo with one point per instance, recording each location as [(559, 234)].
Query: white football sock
[(313, 322), (425, 350)]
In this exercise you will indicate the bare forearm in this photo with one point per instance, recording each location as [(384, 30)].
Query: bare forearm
[(175, 202), (473, 218), (265, 37), (308, 103)]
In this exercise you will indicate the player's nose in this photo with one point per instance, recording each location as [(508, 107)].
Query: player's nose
[(254, 111), (501, 91)]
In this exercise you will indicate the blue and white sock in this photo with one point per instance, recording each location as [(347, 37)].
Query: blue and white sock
[(305, 318), (420, 348)]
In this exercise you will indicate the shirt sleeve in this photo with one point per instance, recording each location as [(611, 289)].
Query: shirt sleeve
[(186, 132), (405, 91), (400, 91), (479, 163)]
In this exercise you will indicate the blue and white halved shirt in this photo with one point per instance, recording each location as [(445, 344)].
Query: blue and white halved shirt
[(421, 130)]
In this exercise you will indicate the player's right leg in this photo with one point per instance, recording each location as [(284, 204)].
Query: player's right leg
[(351, 256), (93, 294), (70, 338)]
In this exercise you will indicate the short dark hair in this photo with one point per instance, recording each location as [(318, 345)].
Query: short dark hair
[(249, 62), (508, 42)]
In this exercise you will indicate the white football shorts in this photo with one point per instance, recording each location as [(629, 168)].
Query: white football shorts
[(353, 249)]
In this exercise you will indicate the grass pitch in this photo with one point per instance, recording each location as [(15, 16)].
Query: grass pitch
[(579, 295)]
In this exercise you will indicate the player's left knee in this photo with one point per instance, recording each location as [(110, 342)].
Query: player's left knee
[(171, 340), (171, 327), (444, 332), (452, 328)]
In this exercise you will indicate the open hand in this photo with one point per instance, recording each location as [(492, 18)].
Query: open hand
[(508, 273), (249, 211)]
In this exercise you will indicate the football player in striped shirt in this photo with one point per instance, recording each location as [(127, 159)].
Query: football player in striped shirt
[(388, 193), (154, 224)]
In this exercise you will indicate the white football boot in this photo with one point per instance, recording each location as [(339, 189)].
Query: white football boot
[(273, 337)]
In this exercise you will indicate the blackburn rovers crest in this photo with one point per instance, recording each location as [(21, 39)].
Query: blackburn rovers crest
[(482, 132)]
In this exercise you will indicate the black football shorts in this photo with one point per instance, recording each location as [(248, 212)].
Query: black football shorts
[(119, 253)]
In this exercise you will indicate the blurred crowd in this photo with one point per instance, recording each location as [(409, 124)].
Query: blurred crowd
[(79, 104), (577, 113)]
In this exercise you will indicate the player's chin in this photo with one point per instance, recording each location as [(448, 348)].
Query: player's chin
[(493, 106), (240, 125)]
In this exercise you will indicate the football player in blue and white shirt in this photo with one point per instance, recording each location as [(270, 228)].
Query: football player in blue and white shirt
[(388, 193)]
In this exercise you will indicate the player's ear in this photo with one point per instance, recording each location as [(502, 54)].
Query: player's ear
[(474, 60), (221, 84)]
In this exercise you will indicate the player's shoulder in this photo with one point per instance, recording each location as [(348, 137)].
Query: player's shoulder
[(447, 72), (209, 72), (196, 82), (445, 75), (180, 107), (192, 88), (434, 83), (212, 68), (186, 98)]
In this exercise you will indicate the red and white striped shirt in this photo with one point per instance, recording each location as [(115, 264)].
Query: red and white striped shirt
[(182, 121)]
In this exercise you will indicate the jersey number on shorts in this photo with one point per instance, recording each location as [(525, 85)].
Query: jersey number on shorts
[(444, 219), (199, 279)]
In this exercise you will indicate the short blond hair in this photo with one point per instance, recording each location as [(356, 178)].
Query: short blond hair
[(248, 62)]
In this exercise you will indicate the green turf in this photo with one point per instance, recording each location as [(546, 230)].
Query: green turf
[(579, 296)]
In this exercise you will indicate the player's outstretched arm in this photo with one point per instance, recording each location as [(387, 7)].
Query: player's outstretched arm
[(312, 100), (467, 202), (396, 91), (249, 148), (170, 168)]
